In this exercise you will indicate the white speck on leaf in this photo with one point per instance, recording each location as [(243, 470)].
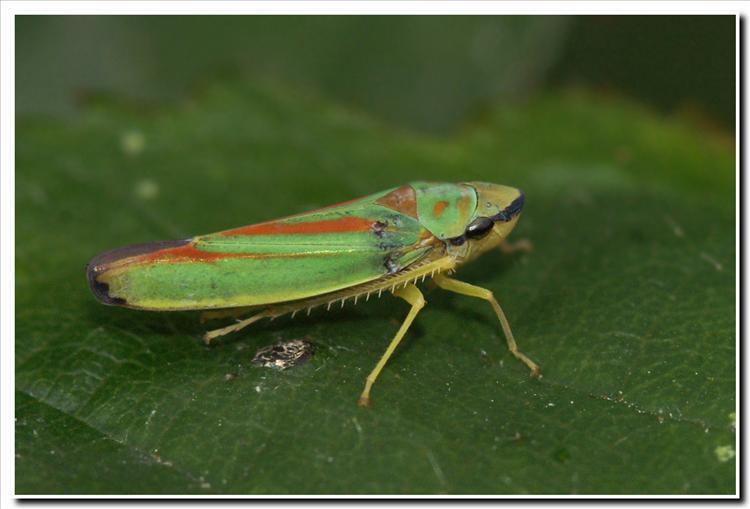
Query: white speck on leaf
[(622, 334), (436, 467), (356, 425), (710, 259), (724, 453), (146, 189), (132, 143), (676, 228)]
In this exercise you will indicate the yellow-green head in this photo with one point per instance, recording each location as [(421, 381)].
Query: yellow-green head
[(496, 214)]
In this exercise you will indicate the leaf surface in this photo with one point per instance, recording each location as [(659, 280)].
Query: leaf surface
[(627, 302)]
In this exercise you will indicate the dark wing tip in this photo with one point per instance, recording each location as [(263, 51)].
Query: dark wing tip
[(99, 263), (101, 290)]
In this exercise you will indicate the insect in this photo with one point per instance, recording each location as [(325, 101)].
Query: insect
[(385, 242)]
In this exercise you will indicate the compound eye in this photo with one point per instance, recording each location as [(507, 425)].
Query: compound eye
[(479, 227)]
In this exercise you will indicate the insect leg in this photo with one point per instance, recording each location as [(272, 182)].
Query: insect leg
[(453, 285), (519, 246), (223, 313), (413, 296), (210, 335)]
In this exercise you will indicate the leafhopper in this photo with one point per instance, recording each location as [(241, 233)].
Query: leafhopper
[(386, 242)]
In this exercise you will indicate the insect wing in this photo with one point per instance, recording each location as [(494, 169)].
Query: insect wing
[(277, 261)]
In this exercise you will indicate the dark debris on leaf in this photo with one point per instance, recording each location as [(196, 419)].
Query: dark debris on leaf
[(284, 354)]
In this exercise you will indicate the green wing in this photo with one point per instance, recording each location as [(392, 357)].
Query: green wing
[(278, 261)]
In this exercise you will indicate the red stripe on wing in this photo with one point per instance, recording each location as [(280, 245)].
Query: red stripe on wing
[(187, 254)]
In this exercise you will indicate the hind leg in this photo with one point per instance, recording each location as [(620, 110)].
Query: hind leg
[(212, 334), (224, 313)]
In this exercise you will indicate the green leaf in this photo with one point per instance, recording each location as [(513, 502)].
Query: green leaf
[(627, 302)]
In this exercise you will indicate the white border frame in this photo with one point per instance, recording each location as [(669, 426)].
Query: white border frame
[(10, 9)]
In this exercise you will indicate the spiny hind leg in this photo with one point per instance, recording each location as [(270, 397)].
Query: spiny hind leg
[(224, 313), (213, 334), (413, 296), (453, 285)]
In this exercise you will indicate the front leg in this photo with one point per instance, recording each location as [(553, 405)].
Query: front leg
[(453, 285), (519, 246)]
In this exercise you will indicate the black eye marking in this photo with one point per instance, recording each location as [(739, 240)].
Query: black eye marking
[(479, 227)]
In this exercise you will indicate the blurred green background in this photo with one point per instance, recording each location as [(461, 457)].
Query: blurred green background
[(619, 129), (427, 73)]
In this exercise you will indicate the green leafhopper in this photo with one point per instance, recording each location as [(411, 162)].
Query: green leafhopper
[(385, 242)]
